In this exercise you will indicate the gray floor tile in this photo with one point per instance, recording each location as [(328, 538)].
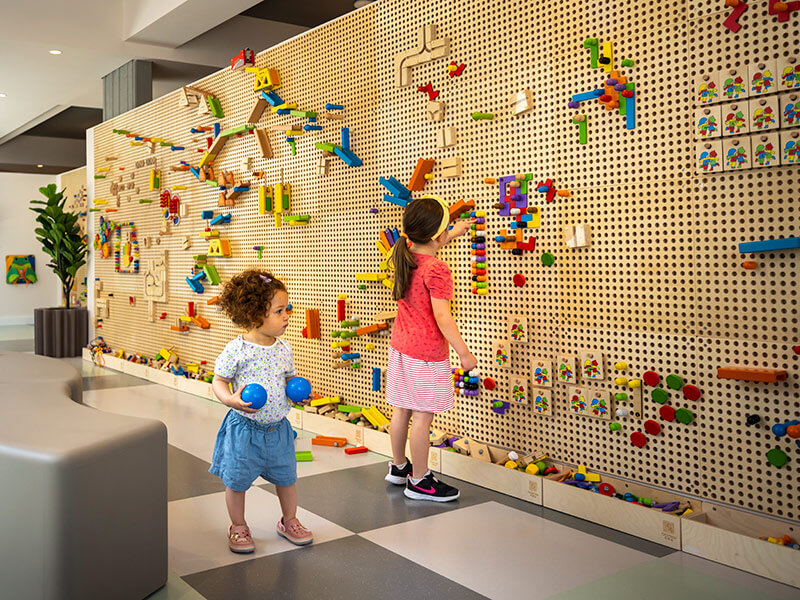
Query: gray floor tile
[(113, 381), (359, 499), (175, 589), (16, 345), (189, 476), (350, 568)]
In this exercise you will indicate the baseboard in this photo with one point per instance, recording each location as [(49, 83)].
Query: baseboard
[(26, 320)]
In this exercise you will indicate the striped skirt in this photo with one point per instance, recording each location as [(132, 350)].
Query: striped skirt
[(418, 385)]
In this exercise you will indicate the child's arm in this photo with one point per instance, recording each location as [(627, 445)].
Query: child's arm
[(447, 325), (222, 392), (459, 229)]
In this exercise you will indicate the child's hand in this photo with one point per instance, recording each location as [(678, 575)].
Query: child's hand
[(236, 402), (460, 228), (468, 361)]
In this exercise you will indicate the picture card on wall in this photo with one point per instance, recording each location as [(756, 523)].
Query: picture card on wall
[(761, 77), (599, 405), (708, 122), (517, 329), (542, 370), (732, 84), (542, 401), (592, 367), (790, 144), (764, 114), (765, 148), (789, 73), (576, 398), (709, 156), (790, 109), (735, 118), (501, 354), (520, 392), (736, 153), (707, 89), (567, 372)]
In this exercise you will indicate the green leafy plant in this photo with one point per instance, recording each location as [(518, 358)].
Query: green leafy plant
[(60, 236)]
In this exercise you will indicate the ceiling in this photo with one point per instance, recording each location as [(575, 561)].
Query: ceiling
[(50, 100)]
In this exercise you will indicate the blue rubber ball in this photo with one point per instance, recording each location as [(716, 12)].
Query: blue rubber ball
[(298, 389), (255, 394)]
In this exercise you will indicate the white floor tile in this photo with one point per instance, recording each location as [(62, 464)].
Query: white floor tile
[(499, 551), (88, 369), (327, 459), (198, 528)]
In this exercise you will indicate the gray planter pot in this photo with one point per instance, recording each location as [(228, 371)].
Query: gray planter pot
[(60, 332)]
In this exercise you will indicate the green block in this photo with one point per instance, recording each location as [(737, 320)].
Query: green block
[(356, 365), (523, 187), (211, 273), (353, 323), (479, 116), (674, 382), (684, 416), (286, 197), (623, 105), (308, 114), (145, 201), (777, 457), (99, 176), (304, 455), (215, 106), (324, 146), (621, 397), (627, 62), (292, 146), (548, 259), (234, 130), (659, 396), (361, 286), (349, 408), (614, 426)]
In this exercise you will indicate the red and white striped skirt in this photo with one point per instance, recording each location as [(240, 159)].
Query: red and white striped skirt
[(419, 385)]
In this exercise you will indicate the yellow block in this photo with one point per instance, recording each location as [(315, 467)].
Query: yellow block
[(297, 223), (608, 52), (342, 296), (635, 383), (621, 366), (371, 276), (328, 400), (278, 219), (374, 416), (592, 477), (165, 354), (389, 283), (369, 347), (382, 248), (621, 380), (186, 319), (207, 158), (340, 343)]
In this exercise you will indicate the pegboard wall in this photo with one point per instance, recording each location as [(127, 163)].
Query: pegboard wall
[(660, 286), (74, 185)]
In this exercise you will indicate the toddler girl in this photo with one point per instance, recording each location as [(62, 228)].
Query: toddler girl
[(252, 443), (419, 382)]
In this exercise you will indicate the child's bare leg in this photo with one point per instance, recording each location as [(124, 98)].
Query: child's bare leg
[(287, 495), (398, 433), (420, 442), (235, 502)]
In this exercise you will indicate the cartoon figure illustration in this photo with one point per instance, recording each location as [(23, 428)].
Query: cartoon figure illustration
[(707, 126), (541, 376), (578, 403), (565, 372), (790, 114), (765, 154), (790, 154), (590, 368), (20, 269), (733, 87), (501, 357), (736, 158), (599, 408), (709, 161), (762, 83), (734, 122), (518, 392), (790, 77), (707, 93), (517, 332), (763, 118), (542, 404)]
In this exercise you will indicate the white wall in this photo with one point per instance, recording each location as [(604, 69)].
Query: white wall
[(16, 237)]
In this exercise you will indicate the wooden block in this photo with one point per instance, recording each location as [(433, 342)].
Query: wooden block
[(462, 445), (479, 451), (437, 437), (451, 167), (263, 143), (417, 181), (435, 111), (740, 373), (258, 110), (522, 102)]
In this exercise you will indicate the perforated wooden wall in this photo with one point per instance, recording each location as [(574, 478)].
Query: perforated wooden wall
[(660, 287)]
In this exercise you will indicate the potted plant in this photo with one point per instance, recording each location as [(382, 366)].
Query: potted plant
[(60, 331)]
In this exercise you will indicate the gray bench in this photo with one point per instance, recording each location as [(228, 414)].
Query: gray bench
[(83, 493)]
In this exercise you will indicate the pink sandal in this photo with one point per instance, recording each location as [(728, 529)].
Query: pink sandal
[(240, 540), (294, 532)]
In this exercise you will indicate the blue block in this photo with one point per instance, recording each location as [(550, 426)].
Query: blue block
[(348, 157), (397, 188), (770, 245), (217, 129), (345, 138), (196, 286), (395, 234), (312, 127), (241, 188), (351, 356), (198, 276), (283, 111), (215, 220), (395, 200), (207, 214), (138, 138), (587, 95), (376, 379), (195, 172), (173, 148), (330, 106), (272, 98), (526, 218), (630, 111)]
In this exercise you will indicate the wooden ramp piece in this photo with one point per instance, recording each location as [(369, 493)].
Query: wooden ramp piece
[(751, 374)]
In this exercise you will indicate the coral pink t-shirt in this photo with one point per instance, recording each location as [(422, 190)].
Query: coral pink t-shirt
[(415, 332)]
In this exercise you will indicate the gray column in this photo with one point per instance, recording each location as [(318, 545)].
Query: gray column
[(127, 87)]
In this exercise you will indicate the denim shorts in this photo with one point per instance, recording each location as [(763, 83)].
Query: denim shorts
[(246, 449)]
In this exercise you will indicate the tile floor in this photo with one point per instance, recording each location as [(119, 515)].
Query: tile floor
[(372, 542)]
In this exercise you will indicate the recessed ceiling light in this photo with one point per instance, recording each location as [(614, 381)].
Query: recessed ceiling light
[(361, 3), (40, 166), (55, 51), (2, 95)]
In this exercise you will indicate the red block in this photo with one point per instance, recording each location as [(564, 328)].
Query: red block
[(356, 450)]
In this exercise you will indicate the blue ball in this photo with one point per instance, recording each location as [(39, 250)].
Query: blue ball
[(255, 394), (298, 389)]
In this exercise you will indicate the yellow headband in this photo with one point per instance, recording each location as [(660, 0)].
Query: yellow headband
[(445, 216)]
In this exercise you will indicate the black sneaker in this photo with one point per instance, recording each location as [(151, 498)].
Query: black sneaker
[(398, 476), (430, 488)]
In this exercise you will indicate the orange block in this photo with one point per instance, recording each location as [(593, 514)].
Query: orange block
[(367, 329), (213, 300), (417, 182), (751, 374), (200, 322), (750, 264), (385, 240), (322, 440)]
